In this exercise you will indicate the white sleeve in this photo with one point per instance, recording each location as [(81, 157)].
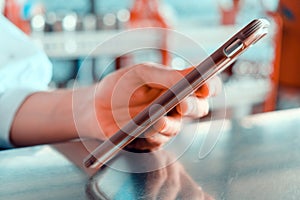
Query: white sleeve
[(24, 69)]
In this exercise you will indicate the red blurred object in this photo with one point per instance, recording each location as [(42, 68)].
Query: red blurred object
[(12, 11), (271, 99), (145, 13), (289, 74), (228, 15)]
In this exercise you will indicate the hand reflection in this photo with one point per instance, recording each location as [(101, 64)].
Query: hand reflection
[(172, 182), (158, 176)]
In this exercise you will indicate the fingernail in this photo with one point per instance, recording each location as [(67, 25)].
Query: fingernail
[(190, 107), (211, 90)]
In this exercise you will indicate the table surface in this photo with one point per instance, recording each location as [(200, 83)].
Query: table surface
[(257, 158)]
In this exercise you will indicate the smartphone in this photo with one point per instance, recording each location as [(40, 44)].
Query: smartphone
[(212, 65)]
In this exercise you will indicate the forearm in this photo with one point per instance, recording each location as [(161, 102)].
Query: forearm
[(44, 117)]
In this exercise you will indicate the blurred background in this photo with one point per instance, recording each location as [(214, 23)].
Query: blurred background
[(257, 157), (265, 78)]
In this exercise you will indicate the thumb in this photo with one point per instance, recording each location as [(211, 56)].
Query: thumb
[(163, 77), (160, 76)]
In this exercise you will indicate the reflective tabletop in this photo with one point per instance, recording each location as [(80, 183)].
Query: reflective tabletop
[(257, 157)]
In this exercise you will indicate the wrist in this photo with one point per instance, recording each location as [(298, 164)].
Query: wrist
[(44, 117), (84, 113)]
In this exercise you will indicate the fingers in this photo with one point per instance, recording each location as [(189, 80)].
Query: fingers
[(191, 190), (215, 86), (198, 106), (172, 184), (168, 125), (142, 144), (163, 77), (193, 107), (157, 140), (159, 76), (203, 91), (163, 130), (154, 182), (211, 88), (159, 134)]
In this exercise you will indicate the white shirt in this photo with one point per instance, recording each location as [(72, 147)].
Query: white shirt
[(24, 69)]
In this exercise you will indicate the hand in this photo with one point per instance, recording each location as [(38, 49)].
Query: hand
[(100, 110), (123, 94)]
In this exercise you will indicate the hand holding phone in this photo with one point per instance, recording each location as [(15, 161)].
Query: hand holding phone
[(212, 65)]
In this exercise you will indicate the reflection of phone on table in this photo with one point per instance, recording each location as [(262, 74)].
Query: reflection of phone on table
[(212, 65)]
